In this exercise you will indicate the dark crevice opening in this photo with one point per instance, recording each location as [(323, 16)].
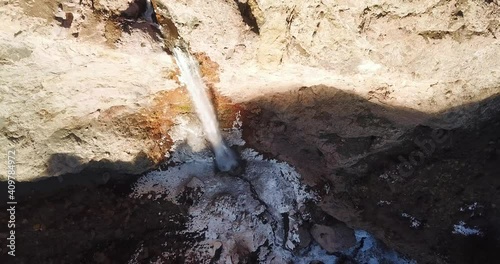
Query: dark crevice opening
[(248, 16), (286, 227)]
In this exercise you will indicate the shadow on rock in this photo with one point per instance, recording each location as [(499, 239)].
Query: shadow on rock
[(353, 151), (93, 173)]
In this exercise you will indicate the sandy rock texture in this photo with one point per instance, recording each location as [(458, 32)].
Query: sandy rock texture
[(68, 98), (84, 87)]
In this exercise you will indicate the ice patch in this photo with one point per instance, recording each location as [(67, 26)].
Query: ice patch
[(373, 252), (414, 222), (461, 229), (472, 208), (135, 256), (382, 202)]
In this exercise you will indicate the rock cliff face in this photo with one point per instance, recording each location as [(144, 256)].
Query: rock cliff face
[(388, 109)]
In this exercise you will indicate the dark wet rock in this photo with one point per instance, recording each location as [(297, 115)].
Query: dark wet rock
[(333, 238), (400, 174)]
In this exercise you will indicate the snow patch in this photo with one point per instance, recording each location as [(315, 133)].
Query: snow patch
[(414, 222), (472, 208), (462, 229), (382, 202), (373, 252)]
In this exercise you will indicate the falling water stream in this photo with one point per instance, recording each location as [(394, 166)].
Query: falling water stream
[(191, 77)]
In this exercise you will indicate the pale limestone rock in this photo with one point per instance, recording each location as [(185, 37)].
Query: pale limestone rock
[(61, 96)]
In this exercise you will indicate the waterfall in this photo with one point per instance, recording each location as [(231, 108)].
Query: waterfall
[(225, 158)]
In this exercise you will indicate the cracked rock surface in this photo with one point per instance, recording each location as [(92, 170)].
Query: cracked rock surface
[(388, 111)]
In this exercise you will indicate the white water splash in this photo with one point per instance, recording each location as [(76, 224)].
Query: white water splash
[(191, 77)]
